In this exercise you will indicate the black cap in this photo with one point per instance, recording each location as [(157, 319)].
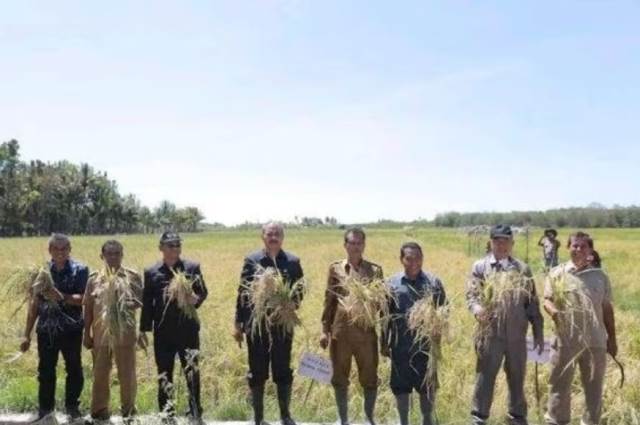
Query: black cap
[(501, 231), (170, 237)]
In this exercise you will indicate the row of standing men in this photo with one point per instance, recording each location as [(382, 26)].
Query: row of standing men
[(64, 330)]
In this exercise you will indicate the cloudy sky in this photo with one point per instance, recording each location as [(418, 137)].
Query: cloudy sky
[(362, 110)]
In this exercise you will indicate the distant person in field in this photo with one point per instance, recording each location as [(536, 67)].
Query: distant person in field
[(345, 339), (502, 329), (58, 314), (586, 344), (176, 332), (409, 357), (272, 345), (108, 344), (550, 246)]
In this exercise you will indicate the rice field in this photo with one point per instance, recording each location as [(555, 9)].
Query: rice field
[(224, 365)]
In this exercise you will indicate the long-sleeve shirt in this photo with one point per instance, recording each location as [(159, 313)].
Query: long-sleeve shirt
[(58, 317), (287, 264), (334, 317), (167, 319), (518, 310)]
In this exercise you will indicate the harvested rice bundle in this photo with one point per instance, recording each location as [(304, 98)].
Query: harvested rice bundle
[(430, 324), (180, 290), (117, 296), (274, 300), (501, 290), (576, 309), (366, 301), (28, 282)]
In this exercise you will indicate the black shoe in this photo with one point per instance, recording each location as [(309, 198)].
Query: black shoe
[(73, 413), (45, 417), (287, 421)]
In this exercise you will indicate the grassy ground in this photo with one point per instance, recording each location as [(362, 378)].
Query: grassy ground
[(224, 365)]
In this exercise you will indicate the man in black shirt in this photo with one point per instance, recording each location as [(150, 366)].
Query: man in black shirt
[(174, 332), (58, 313), (273, 346)]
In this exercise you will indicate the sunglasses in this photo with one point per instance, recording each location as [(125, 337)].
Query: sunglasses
[(173, 245)]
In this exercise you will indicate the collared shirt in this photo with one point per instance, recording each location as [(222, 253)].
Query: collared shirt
[(156, 313), (286, 263), (59, 317), (406, 292), (513, 316), (334, 317), (582, 329), (94, 299)]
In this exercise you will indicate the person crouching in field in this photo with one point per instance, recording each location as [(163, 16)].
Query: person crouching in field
[(348, 339), (173, 291), (271, 345), (58, 313), (111, 298), (501, 294), (585, 331), (550, 246), (410, 357)]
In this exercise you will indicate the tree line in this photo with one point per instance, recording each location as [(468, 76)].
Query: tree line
[(38, 198), (592, 216)]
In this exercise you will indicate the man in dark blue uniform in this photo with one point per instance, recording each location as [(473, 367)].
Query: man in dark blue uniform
[(174, 333), (272, 347), (409, 357), (58, 312)]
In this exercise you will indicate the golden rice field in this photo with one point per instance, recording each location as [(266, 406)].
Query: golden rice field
[(224, 365)]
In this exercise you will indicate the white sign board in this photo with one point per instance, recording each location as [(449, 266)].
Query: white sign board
[(534, 356), (316, 367)]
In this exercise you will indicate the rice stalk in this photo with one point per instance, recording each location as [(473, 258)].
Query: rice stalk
[(180, 290), (501, 290), (28, 282), (429, 323), (116, 295), (274, 301), (576, 310), (366, 301)]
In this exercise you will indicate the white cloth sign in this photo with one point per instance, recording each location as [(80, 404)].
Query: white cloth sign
[(315, 367), (533, 356)]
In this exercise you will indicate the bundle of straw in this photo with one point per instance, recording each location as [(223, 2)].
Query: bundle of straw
[(116, 295), (180, 290), (430, 324), (274, 301), (366, 301), (28, 282), (576, 309), (501, 290)]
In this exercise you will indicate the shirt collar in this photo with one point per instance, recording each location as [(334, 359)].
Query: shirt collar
[(178, 264), (420, 278), (504, 262), (65, 269)]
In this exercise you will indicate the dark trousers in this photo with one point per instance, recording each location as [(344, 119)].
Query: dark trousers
[(409, 371), (187, 347), (49, 348), (273, 349)]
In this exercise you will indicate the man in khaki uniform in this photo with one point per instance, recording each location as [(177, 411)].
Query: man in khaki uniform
[(505, 330), (347, 340), (106, 346), (583, 337)]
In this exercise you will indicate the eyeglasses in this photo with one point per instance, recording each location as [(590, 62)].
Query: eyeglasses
[(173, 245)]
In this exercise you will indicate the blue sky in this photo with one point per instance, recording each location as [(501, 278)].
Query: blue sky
[(253, 110)]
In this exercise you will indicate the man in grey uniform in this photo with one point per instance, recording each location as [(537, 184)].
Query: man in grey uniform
[(504, 328)]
